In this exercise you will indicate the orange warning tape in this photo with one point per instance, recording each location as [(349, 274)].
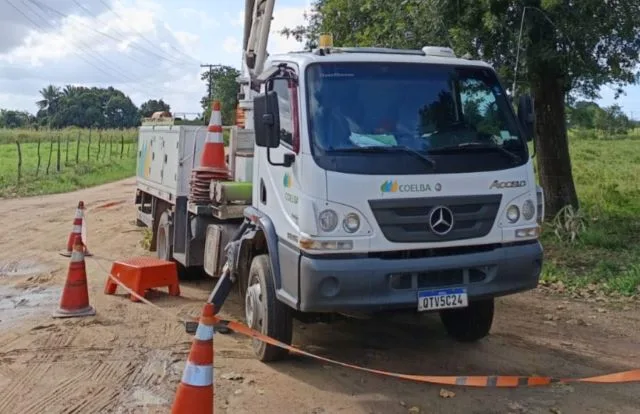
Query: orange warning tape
[(498, 381), (487, 381), (111, 204)]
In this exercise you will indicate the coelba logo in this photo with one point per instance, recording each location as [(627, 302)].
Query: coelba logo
[(144, 161), (392, 186), (287, 181), (389, 186)]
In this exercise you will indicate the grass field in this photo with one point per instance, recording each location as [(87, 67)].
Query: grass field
[(603, 259), (86, 159)]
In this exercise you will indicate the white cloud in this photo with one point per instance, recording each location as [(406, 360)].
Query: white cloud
[(205, 21), (231, 44), (105, 32), (237, 21), (149, 49), (126, 46), (285, 17)]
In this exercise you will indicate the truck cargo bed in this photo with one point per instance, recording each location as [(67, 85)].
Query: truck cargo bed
[(166, 156)]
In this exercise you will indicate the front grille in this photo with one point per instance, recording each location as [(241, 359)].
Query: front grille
[(439, 278), (407, 220)]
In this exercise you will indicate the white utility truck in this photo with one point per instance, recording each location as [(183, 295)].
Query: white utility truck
[(380, 180)]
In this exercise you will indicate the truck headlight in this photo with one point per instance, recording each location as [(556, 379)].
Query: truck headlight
[(351, 223), (513, 213), (528, 210), (328, 220)]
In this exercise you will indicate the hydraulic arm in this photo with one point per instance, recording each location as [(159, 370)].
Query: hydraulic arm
[(257, 24)]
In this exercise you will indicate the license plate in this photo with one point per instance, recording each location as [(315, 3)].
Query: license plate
[(442, 299)]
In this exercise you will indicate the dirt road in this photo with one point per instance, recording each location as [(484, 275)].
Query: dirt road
[(129, 357)]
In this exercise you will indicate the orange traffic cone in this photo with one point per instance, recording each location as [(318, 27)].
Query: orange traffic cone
[(77, 230), (75, 296), (212, 161), (213, 152), (195, 392)]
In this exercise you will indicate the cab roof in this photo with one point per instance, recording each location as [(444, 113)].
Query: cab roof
[(429, 55)]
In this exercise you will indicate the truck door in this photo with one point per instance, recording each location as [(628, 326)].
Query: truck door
[(280, 185)]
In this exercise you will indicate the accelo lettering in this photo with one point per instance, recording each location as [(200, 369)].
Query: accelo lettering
[(414, 188), (507, 184)]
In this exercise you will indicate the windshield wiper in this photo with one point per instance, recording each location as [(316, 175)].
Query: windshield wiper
[(479, 146), (395, 148)]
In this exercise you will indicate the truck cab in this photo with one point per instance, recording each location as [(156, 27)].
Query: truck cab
[(387, 180)]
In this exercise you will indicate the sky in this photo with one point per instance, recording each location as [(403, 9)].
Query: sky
[(149, 49)]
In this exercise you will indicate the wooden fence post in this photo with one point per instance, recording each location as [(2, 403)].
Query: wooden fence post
[(50, 153), (89, 146), (66, 156), (19, 161), (121, 146), (58, 158), (99, 145), (39, 159), (78, 149)]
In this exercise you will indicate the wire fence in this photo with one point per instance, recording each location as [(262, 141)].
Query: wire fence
[(34, 155)]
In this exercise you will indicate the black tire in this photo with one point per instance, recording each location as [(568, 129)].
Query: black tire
[(164, 238), (469, 324), (275, 320), (164, 249)]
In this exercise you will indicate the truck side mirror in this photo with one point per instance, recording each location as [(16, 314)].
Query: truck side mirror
[(526, 115), (266, 120)]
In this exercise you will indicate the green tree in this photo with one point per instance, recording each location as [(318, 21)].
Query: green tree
[(86, 107), (582, 114), (50, 99), (566, 47), (223, 88), (148, 108), (15, 119)]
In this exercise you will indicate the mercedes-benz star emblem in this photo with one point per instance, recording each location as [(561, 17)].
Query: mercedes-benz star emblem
[(441, 220)]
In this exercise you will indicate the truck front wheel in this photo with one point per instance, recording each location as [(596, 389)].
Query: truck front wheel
[(265, 313), (471, 323)]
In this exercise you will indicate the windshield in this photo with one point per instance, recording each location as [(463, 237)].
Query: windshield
[(458, 115)]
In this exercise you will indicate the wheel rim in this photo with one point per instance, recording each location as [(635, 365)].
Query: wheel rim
[(254, 308)]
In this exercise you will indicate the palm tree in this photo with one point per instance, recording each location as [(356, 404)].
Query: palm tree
[(50, 98), (70, 91)]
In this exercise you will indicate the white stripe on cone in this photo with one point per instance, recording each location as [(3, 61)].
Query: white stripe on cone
[(83, 231), (77, 256), (204, 332), (197, 375)]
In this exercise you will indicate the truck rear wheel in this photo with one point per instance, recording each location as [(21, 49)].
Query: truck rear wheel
[(265, 313), (164, 249), (469, 324)]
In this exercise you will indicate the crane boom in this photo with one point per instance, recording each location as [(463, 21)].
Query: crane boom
[(257, 24)]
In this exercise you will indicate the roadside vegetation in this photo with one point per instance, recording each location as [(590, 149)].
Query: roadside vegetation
[(37, 162), (594, 251)]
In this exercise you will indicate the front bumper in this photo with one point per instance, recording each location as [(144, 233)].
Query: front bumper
[(373, 284)]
